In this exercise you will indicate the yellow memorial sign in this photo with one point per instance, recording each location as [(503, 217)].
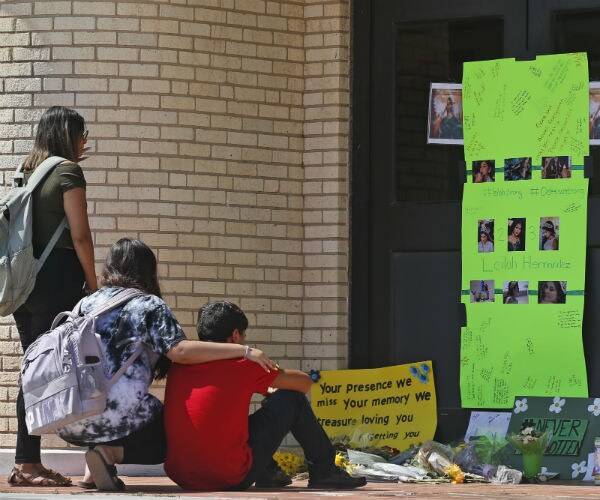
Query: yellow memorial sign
[(393, 406)]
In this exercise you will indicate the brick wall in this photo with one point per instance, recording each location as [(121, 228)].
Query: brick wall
[(219, 135)]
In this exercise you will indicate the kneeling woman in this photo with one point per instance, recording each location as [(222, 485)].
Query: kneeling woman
[(130, 430)]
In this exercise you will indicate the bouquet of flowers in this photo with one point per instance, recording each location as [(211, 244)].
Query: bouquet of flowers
[(530, 440), (531, 443)]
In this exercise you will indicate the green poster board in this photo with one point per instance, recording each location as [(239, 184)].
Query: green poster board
[(525, 347), (528, 108), (574, 423), (524, 229)]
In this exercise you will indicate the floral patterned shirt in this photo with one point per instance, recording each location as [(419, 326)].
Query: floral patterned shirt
[(130, 406)]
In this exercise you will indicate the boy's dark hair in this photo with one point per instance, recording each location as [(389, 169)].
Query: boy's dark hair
[(218, 320)]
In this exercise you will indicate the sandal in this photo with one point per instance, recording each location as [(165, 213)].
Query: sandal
[(105, 476), (86, 485), (47, 477), (58, 477)]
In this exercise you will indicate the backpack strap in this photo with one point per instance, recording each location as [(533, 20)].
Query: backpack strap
[(50, 245), (115, 301), (128, 362), (39, 174), (120, 298), (18, 177), (41, 171)]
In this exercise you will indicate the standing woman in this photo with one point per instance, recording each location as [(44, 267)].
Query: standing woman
[(70, 265)]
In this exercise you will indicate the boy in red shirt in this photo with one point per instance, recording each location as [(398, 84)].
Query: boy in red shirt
[(212, 443)]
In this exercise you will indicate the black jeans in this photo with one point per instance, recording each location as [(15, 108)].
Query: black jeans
[(57, 288), (145, 446), (287, 411)]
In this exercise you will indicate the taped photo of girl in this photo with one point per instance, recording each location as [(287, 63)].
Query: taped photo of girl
[(556, 167), (483, 171), (517, 169), (482, 291), (485, 235), (515, 292), (552, 292), (516, 235), (549, 233)]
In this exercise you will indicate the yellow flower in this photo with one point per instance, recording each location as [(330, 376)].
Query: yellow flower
[(455, 473), (289, 462), (339, 460)]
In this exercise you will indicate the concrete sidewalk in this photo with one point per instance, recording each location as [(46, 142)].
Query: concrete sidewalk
[(160, 487)]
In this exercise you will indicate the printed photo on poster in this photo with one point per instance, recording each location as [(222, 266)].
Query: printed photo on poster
[(552, 292), (482, 291), (549, 233), (516, 235), (594, 113), (515, 292), (445, 114), (485, 235), (484, 171), (556, 167), (517, 169)]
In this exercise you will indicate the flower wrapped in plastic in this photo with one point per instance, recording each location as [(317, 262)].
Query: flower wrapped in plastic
[(532, 444), (530, 440)]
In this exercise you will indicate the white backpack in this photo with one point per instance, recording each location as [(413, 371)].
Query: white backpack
[(62, 374), (18, 266)]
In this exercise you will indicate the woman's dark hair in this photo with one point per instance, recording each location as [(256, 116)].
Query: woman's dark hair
[(549, 226), (512, 287), (514, 224), (131, 264), (58, 134)]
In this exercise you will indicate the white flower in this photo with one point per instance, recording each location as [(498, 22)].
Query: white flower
[(578, 468), (527, 431), (595, 408), (521, 405), (557, 405)]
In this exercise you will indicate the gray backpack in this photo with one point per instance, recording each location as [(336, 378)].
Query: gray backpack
[(62, 374), (18, 266)]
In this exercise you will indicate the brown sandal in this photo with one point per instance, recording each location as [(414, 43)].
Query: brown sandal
[(86, 485), (47, 477), (58, 477)]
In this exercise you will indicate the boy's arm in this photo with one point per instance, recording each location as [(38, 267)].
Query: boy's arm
[(294, 380)]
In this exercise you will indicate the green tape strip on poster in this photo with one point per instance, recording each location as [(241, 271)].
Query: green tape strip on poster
[(524, 231)]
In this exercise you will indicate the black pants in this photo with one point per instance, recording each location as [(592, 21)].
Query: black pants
[(57, 288), (287, 411), (145, 446)]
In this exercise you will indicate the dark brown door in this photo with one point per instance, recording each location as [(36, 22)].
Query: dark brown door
[(405, 280)]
